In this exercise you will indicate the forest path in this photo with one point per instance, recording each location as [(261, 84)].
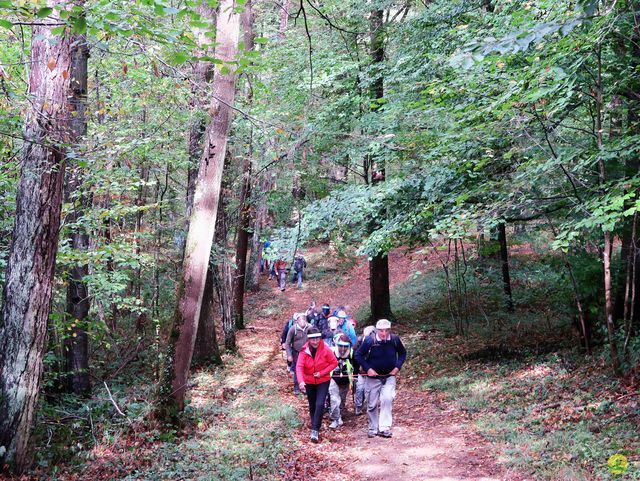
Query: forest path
[(432, 440)]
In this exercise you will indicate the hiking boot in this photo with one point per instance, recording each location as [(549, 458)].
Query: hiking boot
[(296, 392), (359, 411), (385, 434), (371, 434), (335, 424), (314, 436)]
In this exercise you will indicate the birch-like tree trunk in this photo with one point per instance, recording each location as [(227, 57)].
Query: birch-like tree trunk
[(32, 253), (202, 222), (206, 345)]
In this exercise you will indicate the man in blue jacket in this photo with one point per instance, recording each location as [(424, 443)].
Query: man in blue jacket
[(381, 355)]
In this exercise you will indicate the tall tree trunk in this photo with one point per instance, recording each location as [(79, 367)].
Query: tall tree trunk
[(242, 244), (504, 257), (378, 264), (32, 253), (242, 239), (206, 344), (607, 237), (77, 342), (206, 349), (202, 223), (223, 274)]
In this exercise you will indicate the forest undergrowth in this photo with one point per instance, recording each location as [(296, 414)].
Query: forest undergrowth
[(549, 410)]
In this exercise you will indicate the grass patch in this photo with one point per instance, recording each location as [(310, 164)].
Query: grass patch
[(233, 441)]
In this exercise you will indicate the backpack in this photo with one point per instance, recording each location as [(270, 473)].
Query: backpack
[(298, 264), (394, 338)]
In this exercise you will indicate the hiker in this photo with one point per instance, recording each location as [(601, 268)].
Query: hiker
[(299, 264), (349, 317), (381, 355), (272, 271), (296, 338), (332, 324), (315, 363), (341, 379), (264, 261), (345, 326), (313, 314), (359, 398), (281, 270), (283, 340), (323, 321), (285, 330)]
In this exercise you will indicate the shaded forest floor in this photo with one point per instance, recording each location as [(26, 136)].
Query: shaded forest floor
[(512, 400)]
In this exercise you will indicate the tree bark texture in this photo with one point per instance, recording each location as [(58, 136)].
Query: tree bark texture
[(76, 345), (29, 272), (284, 19), (242, 245), (206, 349), (244, 219), (202, 73), (504, 258), (379, 264), (202, 222), (223, 276)]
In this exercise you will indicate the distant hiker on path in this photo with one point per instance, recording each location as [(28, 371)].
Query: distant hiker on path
[(314, 366), (264, 260), (296, 339), (281, 271), (299, 264), (381, 355)]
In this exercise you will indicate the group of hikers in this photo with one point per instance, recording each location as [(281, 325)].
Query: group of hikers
[(278, 268), (327, 360)]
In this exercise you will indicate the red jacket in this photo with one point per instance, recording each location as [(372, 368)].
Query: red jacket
[(324, 362)]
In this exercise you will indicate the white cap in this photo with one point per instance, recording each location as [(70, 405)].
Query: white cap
[(383, 324)]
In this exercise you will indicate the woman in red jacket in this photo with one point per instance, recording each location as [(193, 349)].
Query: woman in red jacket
[(313, 370)]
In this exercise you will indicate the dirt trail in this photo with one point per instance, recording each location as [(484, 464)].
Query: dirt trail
[(432, 440)]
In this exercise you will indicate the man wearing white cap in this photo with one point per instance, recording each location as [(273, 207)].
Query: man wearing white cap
[(381, 356)]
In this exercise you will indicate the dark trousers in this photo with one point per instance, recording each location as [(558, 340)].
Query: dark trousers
[(316, 394), (294, 355)]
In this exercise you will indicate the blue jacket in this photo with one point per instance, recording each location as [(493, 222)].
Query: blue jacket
[(381, 356), (346, 327)]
